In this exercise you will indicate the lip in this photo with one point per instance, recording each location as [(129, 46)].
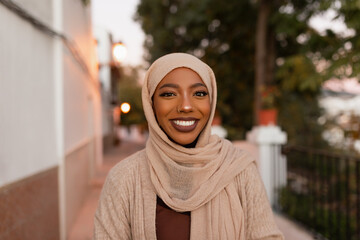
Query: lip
[(184, 128)]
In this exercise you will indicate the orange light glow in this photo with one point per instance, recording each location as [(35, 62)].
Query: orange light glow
[(119, 52), (125, 107)]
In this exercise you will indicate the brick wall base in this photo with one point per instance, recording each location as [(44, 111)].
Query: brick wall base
[(29, 209)]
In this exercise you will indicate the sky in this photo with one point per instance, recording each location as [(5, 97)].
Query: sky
[(116, 16), (327, 21)]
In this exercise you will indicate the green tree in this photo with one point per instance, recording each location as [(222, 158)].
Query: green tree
[(294, 58), (345, 62), (221, 34), (227, 35)]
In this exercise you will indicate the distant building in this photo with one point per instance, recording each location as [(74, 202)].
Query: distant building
[(50, 116), (108, 76)]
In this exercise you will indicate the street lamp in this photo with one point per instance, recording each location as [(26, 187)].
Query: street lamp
[(118, 55), (119, 52)]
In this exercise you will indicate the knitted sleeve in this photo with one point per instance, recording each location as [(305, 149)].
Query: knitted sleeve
[(259, 219), (112, 220)]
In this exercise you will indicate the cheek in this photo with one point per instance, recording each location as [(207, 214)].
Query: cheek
[(161, 110), (206, 109)]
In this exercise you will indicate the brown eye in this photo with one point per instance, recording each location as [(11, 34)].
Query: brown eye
[(167, 94), (201, 93)]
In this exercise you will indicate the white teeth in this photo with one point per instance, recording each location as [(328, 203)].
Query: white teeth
[(184, 123)]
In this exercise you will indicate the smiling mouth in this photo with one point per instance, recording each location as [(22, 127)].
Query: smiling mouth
[(184, 125)]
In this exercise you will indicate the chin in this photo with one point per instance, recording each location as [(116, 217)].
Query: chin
[(182, 142)]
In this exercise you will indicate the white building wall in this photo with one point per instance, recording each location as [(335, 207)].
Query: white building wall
[(27, 115), (50, 105), (82, 110), (42, 9), (79, 86)]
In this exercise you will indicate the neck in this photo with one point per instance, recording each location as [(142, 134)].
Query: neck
[(191, 145)]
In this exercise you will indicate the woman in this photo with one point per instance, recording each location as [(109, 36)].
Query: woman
[(186, 183)]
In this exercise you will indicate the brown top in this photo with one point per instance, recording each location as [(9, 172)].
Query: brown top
[(171, 224)]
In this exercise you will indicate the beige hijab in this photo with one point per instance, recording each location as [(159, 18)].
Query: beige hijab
[(197, 179)]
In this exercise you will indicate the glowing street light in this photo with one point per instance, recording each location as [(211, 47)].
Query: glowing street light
[(119, 52), (125, 107)]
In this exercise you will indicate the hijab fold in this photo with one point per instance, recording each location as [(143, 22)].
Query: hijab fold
[(197, 179)]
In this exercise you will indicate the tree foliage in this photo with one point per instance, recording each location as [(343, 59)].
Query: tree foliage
[(222, 34)]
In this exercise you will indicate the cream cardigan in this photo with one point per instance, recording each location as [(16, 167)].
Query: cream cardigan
[(127, 205)]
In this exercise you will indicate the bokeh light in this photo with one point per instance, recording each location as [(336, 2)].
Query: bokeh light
[(125, 107)]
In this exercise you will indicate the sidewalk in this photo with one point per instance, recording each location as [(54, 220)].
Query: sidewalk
[(83, 227), (84, 224), (291, 230)]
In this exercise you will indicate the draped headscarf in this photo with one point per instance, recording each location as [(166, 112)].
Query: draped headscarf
[(198, 179)]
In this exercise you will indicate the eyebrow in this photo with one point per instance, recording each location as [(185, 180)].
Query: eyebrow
[(198, 85), (172, 85)]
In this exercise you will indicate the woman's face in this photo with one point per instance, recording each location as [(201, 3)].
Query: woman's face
[(182, 105)]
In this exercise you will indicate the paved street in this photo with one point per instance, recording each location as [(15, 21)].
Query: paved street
[(83, 227)]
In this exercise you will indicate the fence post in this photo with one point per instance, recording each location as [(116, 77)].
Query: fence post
[(272, 165)]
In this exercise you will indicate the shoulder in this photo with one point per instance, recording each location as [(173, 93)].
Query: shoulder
[(245, 159), (249, 175), (251, 171), (249, 181), (117, 200), (126, 171)]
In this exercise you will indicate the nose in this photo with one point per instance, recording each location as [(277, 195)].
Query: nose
[(185, 104)]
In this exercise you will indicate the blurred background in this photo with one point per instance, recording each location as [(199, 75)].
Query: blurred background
[(71, 73)]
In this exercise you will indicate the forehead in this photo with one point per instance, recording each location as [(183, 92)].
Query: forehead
[(182, 76)]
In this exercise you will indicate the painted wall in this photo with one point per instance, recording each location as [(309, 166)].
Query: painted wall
[(80, 88), (50, 114), (28, 131), (82, 110), (27, 116)]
